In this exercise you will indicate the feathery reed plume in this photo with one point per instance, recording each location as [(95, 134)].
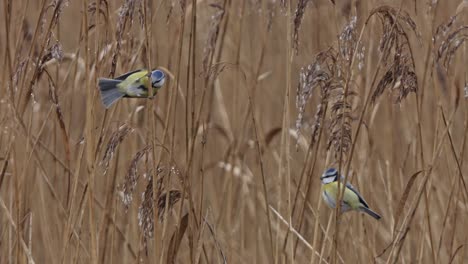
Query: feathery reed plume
[(174, 197), (328, 71), (395, 25), (210, 43), (347, 42), (131, 178), (341, 118), (298, 15), (53, 52), (145, 211), (115, 139), (440, 45), (443, 29), (348, 39), (216, 69), (396, 51), (317, 74), (400, 77), (126, 13), (447, 41), (102, 9), (92, 7), (341, 91), (58, 6)]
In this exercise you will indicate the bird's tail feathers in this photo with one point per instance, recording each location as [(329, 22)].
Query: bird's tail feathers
[(109, 91), (370, 212)]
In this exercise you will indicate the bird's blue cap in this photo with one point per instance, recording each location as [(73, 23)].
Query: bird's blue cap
[(157, 75), (157, 78), (331, 172)]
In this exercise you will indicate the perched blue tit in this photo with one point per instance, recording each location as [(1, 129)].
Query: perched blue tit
[(132, 84), (352, 200)]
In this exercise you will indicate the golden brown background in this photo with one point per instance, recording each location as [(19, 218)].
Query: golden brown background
[(221, 137)]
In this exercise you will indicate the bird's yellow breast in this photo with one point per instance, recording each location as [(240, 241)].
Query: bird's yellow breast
[(349, 197)]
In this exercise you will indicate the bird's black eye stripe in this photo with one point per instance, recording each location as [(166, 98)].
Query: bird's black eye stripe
[(328, 176), (330, 173)]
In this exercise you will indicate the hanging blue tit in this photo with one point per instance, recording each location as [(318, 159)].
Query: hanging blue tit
[(352, 200), (134, 84)]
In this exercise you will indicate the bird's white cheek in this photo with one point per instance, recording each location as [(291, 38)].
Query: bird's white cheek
[(327, 180)]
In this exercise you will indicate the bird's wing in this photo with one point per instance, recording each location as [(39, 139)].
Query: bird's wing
[(353, 189), (135, 84), (125, 76)]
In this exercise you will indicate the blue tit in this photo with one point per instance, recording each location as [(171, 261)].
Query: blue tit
[(352, 200), (132, 84)]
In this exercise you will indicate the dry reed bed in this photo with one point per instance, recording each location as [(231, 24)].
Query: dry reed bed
[(262, 96)]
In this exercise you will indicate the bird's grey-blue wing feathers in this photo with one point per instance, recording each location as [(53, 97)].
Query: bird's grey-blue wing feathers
[(352, 188), (124, 76)]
